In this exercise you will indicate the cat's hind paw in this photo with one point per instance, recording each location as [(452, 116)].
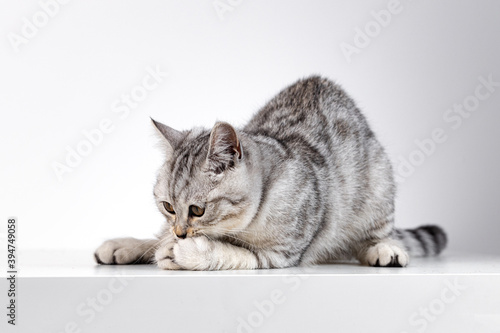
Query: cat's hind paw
[(387, 254)]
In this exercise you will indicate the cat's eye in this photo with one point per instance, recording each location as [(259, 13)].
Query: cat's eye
[(168, 207), (197, 211)]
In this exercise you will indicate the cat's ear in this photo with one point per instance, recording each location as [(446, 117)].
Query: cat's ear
[(171, 137), (224, 149)]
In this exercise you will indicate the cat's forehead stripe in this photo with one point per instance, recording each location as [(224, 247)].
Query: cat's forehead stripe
[(185, 165)]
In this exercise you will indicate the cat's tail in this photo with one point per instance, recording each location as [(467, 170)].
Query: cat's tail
[(424, 241)]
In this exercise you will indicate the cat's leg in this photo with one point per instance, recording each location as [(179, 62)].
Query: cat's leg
[(200, 253), (386, 252), (380, 248), (122, 251), (164, 255)]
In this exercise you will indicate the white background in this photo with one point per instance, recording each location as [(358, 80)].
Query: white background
[(65, 79)]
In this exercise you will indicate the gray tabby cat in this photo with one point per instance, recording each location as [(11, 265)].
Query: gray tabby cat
[(304, 182)]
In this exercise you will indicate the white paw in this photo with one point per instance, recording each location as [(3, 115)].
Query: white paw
[(122, 251), (387, 254), (194, 254), (164, 257)]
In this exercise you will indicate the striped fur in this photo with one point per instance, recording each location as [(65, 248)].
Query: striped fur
[(304, 182), (424, 241)]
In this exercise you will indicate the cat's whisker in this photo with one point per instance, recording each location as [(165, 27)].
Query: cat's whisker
[(206, 235), (239, 240), (142, 243), (235, 231), (155, 246)]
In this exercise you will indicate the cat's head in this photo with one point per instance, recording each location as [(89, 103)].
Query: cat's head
[(205, 186)]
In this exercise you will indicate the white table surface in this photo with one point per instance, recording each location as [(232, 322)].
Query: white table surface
[(52, 263), (65, 291)]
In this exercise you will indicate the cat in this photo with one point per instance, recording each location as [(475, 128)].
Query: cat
[(304, 182)]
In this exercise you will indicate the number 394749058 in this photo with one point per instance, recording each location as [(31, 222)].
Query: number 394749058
[(11, 243)]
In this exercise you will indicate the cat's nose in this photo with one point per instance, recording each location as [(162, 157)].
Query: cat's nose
[(180, 232)]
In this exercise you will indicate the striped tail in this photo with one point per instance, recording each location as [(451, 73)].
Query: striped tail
[(424, 241)]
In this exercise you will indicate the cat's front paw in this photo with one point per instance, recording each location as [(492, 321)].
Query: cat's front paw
[(195, 254), (123, 251), (164, 257)]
